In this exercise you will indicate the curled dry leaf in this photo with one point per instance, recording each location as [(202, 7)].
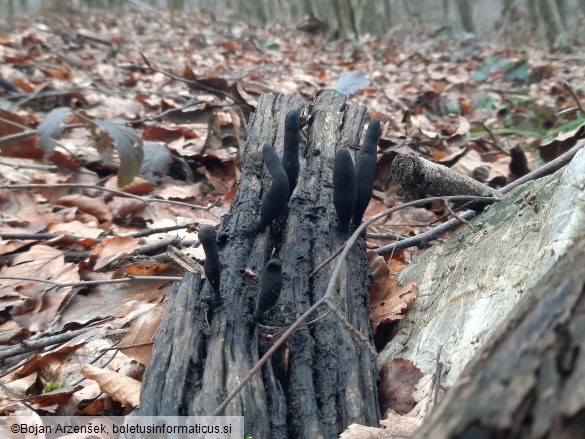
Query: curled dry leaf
[(142, 332), (388, 300), (391, 304), (112, 249), (123, 389), (398, 380)]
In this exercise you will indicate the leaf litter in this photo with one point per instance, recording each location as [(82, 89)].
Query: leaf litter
[(162, 115)]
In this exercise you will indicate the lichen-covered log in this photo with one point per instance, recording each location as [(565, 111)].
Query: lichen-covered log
[(419, 175), (324, 379), (528, 379)]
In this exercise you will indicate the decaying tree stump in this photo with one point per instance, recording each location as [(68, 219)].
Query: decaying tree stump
[(324, 379)]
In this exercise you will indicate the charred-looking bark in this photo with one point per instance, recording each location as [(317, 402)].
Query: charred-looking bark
[(290, 156), (276, 197), (327, 379), (212, 266), (365, 170), (344, 193), (270, 287)]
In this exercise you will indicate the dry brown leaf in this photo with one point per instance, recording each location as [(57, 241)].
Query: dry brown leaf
[(398, 380), (111, 300), (139, 186), (20, 388), (562, 143), (39, 300), (125, 208), (88, 392), (50, 362), (93, 206), (55, 398), (20, 209), (74, 228), (12, 333), (146, 269), (25, 147), (112, 249), (391, 303), (143, 330), (461, 135), (378, 267), (121, 388)]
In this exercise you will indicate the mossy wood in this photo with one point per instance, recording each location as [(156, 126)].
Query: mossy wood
[(324, 379)]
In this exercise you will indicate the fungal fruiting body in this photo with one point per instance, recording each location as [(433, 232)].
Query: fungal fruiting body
[(366, 170), (276, 197), (212, 267), (290, 156), (269, 287)]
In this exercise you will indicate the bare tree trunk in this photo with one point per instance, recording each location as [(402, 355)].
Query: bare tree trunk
[(466, 15)]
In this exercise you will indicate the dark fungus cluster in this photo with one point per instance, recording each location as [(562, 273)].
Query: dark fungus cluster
[(352, 186), (352, 190)]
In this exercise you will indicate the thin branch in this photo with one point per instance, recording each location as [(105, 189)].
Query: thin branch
[(29, 346), (387, 235), (454, 215), (46, 236), (494, 141), (145, 200), (193, 83), (84, 283), (437, 377), (331, 288), (24, 166), (568, 87), (17, 136)]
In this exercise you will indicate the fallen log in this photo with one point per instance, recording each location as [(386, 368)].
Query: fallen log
[(528, 378)]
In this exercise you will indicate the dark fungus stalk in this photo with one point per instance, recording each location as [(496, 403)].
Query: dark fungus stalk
[(212, 267), (366, 170), (290, 156), (344, 191), (276, 197), (269, 288)]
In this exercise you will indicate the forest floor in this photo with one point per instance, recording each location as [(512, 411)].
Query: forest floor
[(88, 102)]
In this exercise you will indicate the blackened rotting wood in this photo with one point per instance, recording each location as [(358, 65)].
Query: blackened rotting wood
[(344, 192), (331, 377), (270, 287), (418, 175), (175, 372), (527, 381), (328, 378)]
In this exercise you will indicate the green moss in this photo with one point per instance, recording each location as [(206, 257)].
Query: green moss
[(53, 385)]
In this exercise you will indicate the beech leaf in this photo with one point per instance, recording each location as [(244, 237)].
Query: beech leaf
[(50, 129), (129, 146)]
